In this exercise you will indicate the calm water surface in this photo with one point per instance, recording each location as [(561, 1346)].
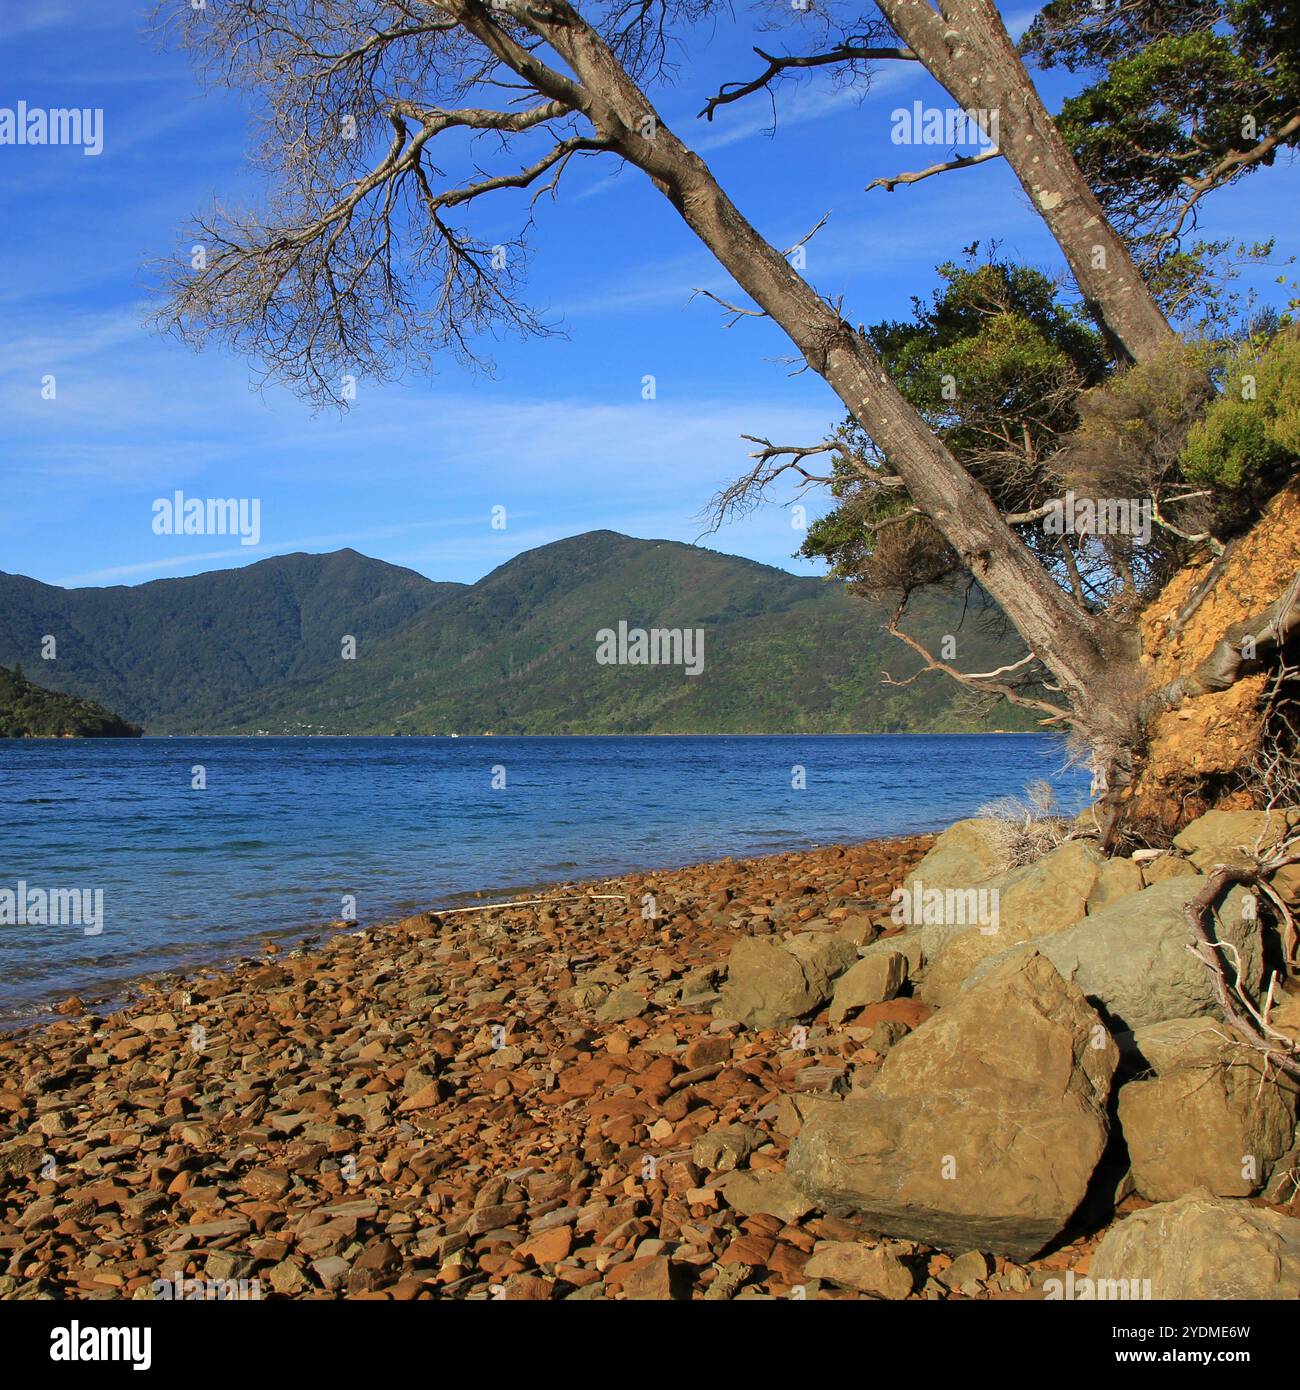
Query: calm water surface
[(287, 828)]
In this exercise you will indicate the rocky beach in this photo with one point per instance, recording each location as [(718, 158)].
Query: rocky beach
[(742, 1079)]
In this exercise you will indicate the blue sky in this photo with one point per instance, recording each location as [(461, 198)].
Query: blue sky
[(558, 435)]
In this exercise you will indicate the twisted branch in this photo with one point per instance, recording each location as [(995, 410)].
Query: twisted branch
[(983, 681), (776, 65), (1241, 1015)]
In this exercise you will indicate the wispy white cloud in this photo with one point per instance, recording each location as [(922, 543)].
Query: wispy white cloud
[(29, 20), (798, 104), (187, 561)]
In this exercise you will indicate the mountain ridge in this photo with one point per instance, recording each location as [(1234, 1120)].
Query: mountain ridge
[(264, 648)]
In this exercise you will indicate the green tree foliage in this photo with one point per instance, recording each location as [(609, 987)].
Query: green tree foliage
[(995, 364), (1184, 96), (1022, 393), (1248, 441), (28, 711)]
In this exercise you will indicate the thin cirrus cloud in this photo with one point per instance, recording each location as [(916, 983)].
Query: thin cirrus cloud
[(202, 405), (189, 560), (575, 463), (560, 436), (798, 103)]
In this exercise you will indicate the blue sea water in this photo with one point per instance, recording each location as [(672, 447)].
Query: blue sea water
[(287, 828)]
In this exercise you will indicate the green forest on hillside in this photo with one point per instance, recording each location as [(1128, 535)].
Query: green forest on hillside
[(28, 711), (260, 649)]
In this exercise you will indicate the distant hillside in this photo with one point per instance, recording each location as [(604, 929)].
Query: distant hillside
[(177, 654), (28, 711), (260, 648)]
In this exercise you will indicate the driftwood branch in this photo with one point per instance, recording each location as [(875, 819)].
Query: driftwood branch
[(530, 902)]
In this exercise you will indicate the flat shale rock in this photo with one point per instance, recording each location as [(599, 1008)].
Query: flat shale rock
[(765, 1194), (872, 1270), (654, 1278)]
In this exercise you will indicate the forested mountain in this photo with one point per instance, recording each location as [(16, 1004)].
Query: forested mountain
[(263, 648)]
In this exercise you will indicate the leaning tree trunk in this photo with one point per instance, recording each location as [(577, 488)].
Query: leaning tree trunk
[(1063, 637), (968, 51)]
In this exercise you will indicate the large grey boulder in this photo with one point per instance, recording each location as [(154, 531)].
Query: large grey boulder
[(772, 983), (1210, 1115), (940, 896), (969, 851), (1033, 900), (1232, 837), (1202, 1246), (982, 1128), (1116, 879), (1132, 959)]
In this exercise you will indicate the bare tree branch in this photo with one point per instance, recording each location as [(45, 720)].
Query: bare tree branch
[(808, 236), (841, 53), (1227, 169), (1238, 1010), (736, 312), (961, 162), (984, 682), (1192, 538)]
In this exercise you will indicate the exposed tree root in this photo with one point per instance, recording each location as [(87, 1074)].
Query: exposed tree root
[(1242, 1015), (1202, 591), (1243, 650)]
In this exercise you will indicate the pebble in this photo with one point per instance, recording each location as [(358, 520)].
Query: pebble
[(530, 1103)]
